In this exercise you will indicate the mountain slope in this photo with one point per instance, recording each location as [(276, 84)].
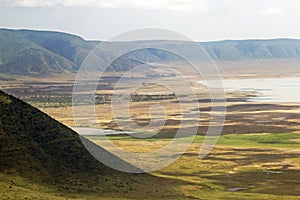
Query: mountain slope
[(253, 49), (42, 159), (29, 52), (40, 148), (19, 55), (71, 47), (33, 143)]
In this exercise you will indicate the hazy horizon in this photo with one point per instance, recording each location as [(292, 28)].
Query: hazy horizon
[(87, 39), (202, 20)]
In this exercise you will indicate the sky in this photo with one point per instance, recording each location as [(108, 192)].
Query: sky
[(200, 20)]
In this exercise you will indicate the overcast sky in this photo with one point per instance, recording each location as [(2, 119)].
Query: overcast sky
[(201, 20)]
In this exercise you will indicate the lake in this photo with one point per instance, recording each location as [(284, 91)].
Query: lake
[(85, 131), (269, 89)]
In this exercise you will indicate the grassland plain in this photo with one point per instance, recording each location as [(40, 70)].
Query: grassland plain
[(263, 165), (258, 166), (257, 157)]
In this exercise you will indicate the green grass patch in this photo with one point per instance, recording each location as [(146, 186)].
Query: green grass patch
[(272, 140)]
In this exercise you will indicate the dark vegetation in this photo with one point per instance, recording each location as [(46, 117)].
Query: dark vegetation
[(40, 148), (43, 151), (60, 95)]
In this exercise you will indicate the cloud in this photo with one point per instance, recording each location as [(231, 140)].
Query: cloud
[(173, 5), (274, 10)]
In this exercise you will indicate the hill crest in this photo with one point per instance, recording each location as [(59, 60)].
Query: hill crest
[(30, 52)]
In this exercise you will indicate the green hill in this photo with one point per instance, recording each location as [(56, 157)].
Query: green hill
[(71, 47), (18, 55), (37, 147), (40, 156), (29, 52)]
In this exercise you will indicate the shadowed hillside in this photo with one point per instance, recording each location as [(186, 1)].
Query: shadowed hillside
[(34, 144), (37, 151)]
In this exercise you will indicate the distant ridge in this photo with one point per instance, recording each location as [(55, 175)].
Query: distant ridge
[(253, 49), (43, 53)]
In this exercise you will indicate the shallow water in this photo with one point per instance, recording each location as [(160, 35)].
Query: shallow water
[(85, 131), (270, 90)]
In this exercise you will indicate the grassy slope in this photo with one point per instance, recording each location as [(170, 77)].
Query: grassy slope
[(42, 159), (28, 52), (21, 56), (71, 47)]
